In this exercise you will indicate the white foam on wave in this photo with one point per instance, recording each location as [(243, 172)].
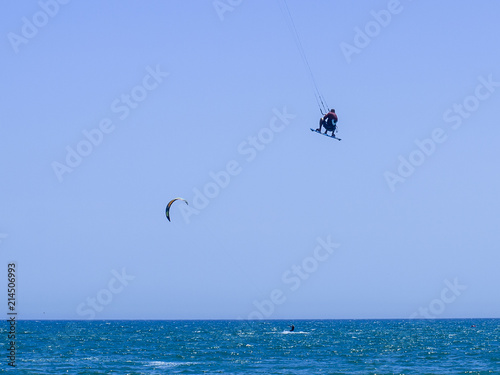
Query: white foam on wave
[(163, 364)]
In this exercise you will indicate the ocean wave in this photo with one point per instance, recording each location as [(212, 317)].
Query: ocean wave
[(163, 364)]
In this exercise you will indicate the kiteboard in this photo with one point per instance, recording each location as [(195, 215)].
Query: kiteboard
[(326, 135)]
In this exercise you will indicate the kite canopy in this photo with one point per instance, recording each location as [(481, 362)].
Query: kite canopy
[(167, 210)]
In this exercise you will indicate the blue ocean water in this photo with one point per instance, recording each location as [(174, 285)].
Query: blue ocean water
[(254, 347)]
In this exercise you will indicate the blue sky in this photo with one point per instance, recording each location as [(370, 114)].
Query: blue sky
[(109, 110)]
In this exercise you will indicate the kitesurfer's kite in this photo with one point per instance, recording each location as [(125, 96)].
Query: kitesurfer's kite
[(167, 210)]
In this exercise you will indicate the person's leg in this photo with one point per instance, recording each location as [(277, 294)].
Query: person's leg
[(320, 124), (328, 126)]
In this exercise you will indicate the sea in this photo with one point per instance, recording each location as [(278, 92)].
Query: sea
[(251, 347)]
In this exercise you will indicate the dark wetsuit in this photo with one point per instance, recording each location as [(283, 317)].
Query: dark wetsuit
[(330, 121)]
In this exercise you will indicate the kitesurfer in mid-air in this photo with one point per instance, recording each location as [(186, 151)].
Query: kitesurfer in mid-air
[(329, 121)]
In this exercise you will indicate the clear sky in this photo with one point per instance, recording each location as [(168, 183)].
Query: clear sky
[(111, 109)]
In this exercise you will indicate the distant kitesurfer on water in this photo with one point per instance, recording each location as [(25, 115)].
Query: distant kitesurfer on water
[(329, 121), (292, 328)]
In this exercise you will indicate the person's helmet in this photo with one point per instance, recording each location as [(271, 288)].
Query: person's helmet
[(332, 110)]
